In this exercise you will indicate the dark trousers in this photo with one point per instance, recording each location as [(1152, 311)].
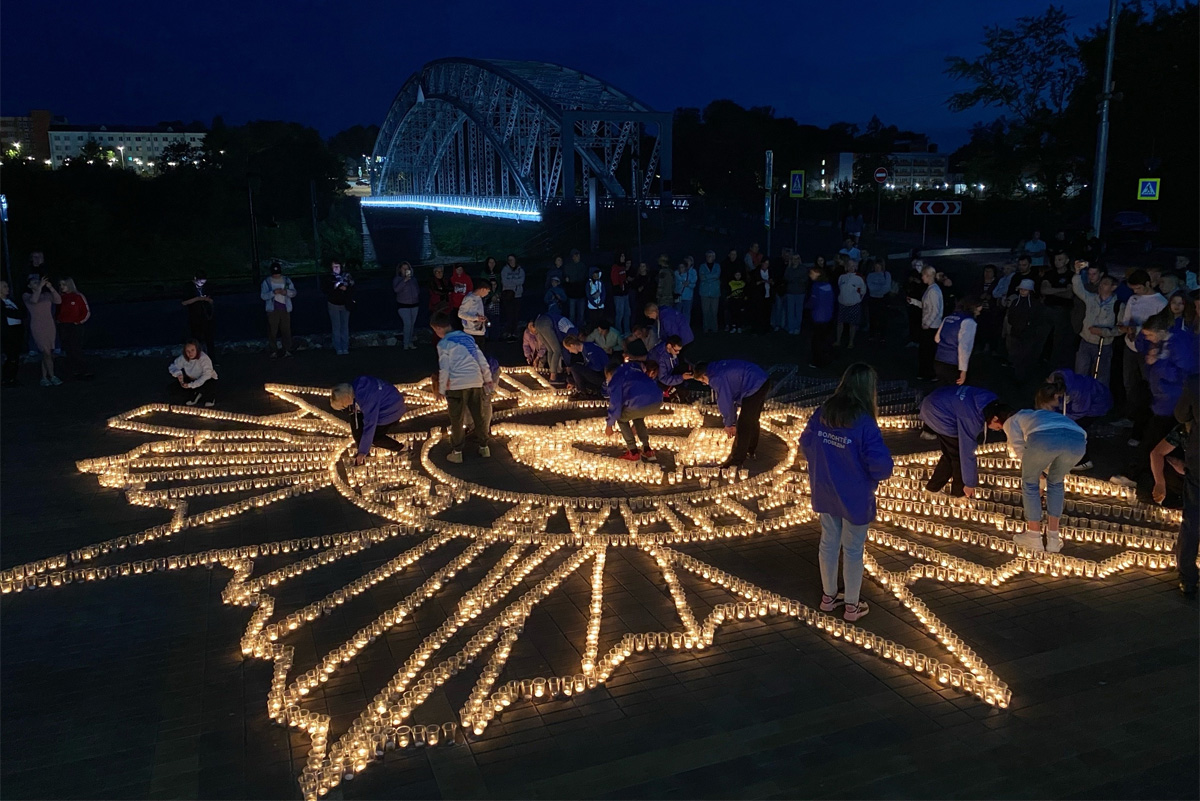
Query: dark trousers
[(1066, 341), (1156, 428), (510, 308), (635, 420), (201, 330), (206, 391), (914, 323), (381, 438), (12, 344), (822, 343), (470, 400), (745, 441), (925, 352), (1137, 391), (945, 373), (1189, 530), (949, 467), (71, 337), (877, 315), (586, 379)]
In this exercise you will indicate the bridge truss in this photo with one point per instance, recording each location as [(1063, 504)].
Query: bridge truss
[(508, 138)]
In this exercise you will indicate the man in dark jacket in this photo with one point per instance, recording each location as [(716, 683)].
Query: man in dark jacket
[(957, 415)]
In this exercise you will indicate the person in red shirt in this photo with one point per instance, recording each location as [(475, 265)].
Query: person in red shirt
[(73, 312), (461, 286)]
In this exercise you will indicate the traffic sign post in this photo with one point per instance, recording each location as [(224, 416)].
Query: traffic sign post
[(770, 192), (1148, 188), (796, 191), (881, 176), (936, 208)]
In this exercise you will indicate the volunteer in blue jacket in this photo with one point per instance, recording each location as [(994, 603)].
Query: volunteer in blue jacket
[(820, 307), (846, 460), (737, 383), (1081, 398), (587, 361), (377, 408), (552, 328), (665, 355), (667, 322), (632, 397), (957, 415), (955, 340)]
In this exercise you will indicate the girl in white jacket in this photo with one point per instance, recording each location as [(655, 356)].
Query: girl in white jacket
[(195, 378)]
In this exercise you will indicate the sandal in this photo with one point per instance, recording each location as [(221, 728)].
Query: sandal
[(829, 603), (855, 611)]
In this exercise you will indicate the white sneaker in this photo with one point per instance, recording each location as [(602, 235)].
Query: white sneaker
[(1133, 442), (454, 457), (1054, 542), (928, 435), (1124, 422), (485, 452), (1123, 481), (1030, 540), (1083, 466), (194, 400)]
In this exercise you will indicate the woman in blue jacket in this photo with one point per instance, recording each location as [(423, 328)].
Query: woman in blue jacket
[(820, 305), (846, 460)]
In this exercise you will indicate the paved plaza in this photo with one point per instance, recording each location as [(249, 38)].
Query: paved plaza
[(136, 686)]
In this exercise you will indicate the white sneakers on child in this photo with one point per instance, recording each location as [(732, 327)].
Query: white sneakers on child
[(1030, 540)]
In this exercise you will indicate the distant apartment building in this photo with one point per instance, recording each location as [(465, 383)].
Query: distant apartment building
[(30, 133), (138, 146), (915, 165)]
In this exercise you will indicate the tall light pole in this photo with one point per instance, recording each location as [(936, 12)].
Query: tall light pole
[(1102, 135)]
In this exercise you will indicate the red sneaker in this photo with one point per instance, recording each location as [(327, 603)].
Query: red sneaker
[(649, 455), (631, 456)]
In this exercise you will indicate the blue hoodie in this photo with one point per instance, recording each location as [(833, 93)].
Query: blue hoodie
[(844, 467), (593, 357), (1174, 366), (732, 380), (630, 388), (379, 403), (563, 327), (666, 365), (671, 322), (958, 412), (1086, 397), (820, 301)]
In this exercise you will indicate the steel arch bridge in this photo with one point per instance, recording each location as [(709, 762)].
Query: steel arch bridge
[(506, 138)]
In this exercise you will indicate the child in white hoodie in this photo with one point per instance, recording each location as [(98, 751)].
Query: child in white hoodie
[(195, 378)]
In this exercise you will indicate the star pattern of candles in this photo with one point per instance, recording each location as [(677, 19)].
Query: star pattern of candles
[(269, 458)]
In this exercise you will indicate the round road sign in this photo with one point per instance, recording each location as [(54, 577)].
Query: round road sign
[(881, 175)]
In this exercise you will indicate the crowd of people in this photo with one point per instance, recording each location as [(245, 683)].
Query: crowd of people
[(625, 333)]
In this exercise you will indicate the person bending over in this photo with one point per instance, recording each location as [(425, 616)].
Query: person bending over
[(464, 376), (375, 410), (957, 415), (632, 397), (737, 383)]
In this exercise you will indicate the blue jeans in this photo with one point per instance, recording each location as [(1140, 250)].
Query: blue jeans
[(1085, 360), (1052, 451), (575, 308), (840, 535), (621, 313), (685, 308), (339, 318), (708, 311), (795, 312), (778, 313)]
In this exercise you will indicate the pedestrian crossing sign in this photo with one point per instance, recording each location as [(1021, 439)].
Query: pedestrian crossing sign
[(796, 184), (1148, 188)]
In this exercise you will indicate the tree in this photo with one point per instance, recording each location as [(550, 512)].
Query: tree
[(180, 154), (354, 142), (1031, 71)]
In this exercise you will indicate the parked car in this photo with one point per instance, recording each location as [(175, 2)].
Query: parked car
[(1120, 228)]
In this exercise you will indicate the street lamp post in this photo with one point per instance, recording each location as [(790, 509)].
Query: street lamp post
[(1102, 137)]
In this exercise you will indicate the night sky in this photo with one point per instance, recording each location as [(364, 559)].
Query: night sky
[(334, 64)]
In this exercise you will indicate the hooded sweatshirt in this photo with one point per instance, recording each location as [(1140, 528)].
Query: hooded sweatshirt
[(461, 364), (630, 388), (1097, 312), (1175, 365), (1027, 422), (844, 467), (733, 380), (379, 403), (820, 301), (666, 365), (958, 412)]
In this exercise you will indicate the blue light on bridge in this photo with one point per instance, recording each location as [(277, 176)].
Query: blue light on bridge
[(504, 208)]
